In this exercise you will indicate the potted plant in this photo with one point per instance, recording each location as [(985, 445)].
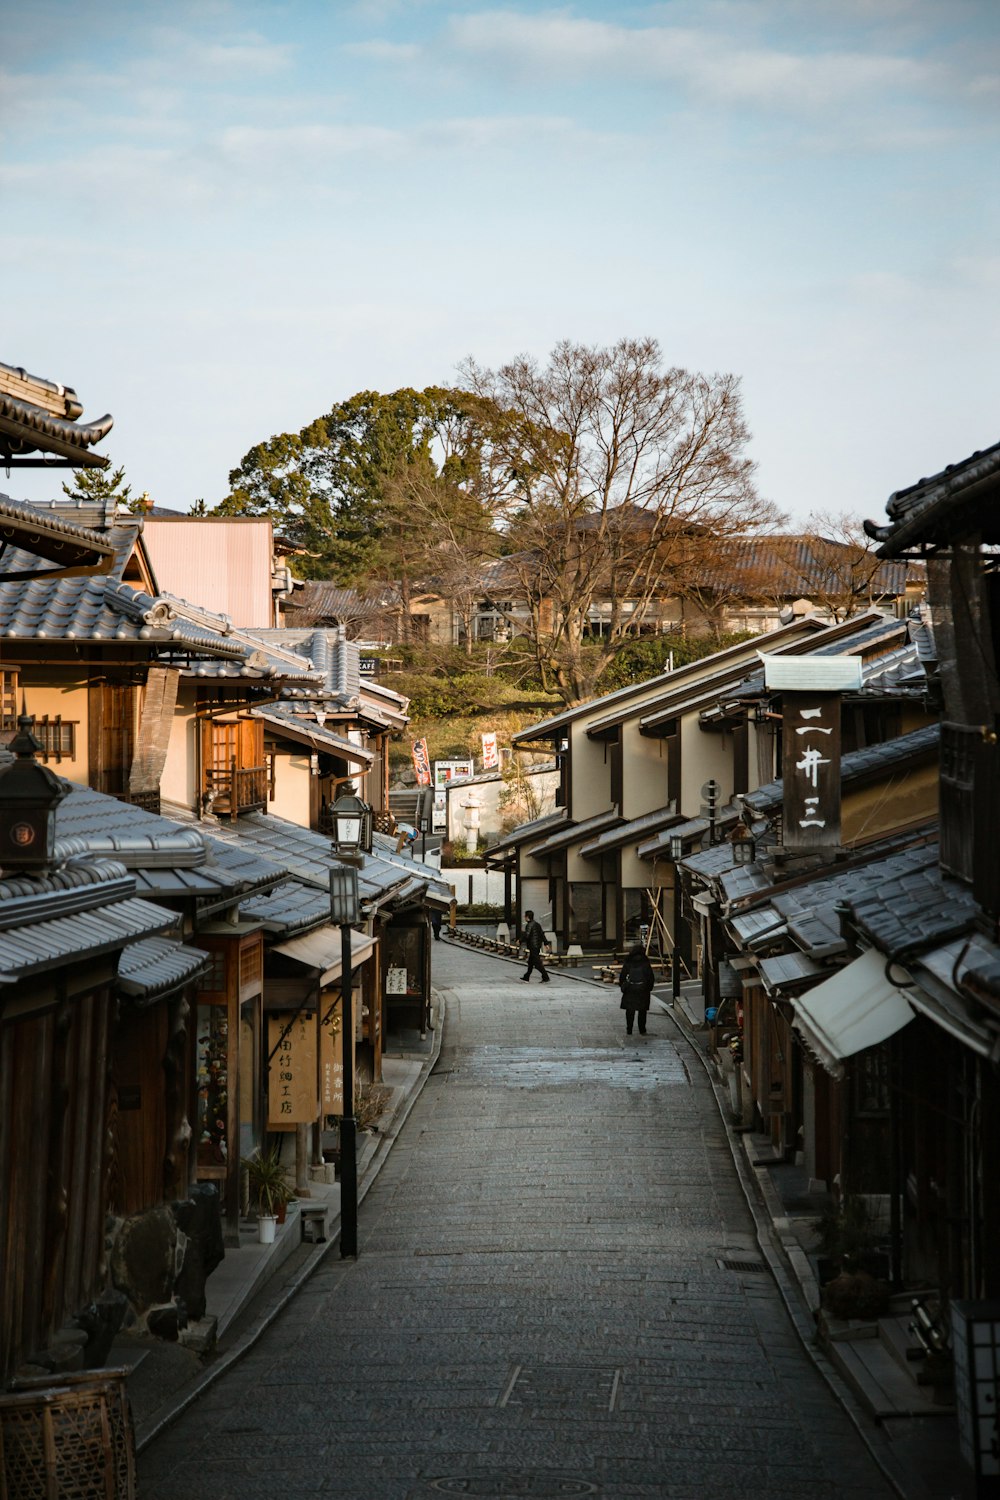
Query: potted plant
[(852, 1265), (268, 1190)]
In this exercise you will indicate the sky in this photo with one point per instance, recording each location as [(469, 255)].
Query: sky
[(221, 219)]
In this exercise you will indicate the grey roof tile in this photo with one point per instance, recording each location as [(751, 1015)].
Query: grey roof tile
[(855, 766), (157, 967), (922, 512), (36, 534), (77, 937)]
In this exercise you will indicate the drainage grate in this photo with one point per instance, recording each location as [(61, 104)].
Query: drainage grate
[(587, 1387), (733, 1263)]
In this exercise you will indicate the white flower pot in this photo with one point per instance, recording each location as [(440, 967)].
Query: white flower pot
[(265, 1229)]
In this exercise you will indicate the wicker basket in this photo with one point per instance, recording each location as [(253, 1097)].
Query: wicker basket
[(70, 1441)]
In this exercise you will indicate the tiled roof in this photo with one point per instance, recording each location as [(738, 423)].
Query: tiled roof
[(334, 661), (306, 855), (27, 428), (66, 543), (288, 908), (528, 831), (164, 859), (927, 511), (775, 567), (573, 833), (317, 602), (914, 905), (789, 970), (680, 678), (157, 967), (689, 829), (99, 609), (77, 937), (871, 761), (630, 832), (283, 720)]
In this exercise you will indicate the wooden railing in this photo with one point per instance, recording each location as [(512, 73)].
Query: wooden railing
[(232, 790)]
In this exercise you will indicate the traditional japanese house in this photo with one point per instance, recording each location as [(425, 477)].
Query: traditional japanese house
[(633, 765), (945, 951), (78, 945)]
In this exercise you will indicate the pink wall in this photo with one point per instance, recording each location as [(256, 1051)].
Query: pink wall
[(222, 564)]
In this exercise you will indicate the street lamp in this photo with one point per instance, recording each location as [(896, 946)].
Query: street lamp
[(351, 826), (676, 854), (345, 911), (744, 848), (351, 822)]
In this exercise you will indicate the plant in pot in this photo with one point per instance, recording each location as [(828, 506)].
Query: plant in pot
[(853, 1267), (268, 1190)]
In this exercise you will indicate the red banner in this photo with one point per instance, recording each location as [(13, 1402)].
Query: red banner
[(421, 762)]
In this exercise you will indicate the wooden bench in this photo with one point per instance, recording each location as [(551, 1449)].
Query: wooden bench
[(312, 1217)]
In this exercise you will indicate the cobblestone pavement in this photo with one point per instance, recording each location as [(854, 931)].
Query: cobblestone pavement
[(557, 1294)]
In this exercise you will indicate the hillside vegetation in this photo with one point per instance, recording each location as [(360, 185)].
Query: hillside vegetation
[(458, 696)]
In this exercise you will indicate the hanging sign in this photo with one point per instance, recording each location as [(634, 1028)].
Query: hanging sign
[(491, 755), (421, 762), (292, 1093), (811, 770), (331, 1054)]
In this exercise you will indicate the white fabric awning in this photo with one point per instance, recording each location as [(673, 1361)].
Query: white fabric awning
[(320, 949), (855, 1009)]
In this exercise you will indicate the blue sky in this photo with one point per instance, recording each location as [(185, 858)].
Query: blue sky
[(220, 219)]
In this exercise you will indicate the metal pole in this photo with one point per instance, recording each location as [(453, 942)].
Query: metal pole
[(348, 1124), (675, 967)]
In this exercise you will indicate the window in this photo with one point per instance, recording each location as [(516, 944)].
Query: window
[(57, 736), (8, 702)]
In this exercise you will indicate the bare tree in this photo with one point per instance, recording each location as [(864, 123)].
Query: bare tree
[(843, 573), (613, 480)]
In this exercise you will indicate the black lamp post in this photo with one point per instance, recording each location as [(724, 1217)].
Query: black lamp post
[(29, 795), (676, 854), (351, 825), (351, 820)]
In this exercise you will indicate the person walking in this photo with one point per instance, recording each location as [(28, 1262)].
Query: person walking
[(534, 937), (436, 924), (636, 982)]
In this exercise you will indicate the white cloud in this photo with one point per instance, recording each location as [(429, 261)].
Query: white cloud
[(381, 51), (708, 63)]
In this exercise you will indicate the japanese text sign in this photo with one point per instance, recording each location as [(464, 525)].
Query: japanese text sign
[(811, 769)]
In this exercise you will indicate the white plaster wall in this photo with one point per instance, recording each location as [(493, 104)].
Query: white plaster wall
[(179, 782), (67, 697), (291, 788), (644, 772)]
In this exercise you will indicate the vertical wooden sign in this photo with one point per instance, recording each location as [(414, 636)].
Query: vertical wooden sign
[(810, 770), (331, 1053), (292, 1095)]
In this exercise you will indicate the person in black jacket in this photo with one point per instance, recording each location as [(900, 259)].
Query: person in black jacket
[(636, 982), (534, 937)]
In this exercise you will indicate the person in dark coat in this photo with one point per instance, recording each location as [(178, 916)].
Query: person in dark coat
[(436, 924), (534, 937), (636, 982)]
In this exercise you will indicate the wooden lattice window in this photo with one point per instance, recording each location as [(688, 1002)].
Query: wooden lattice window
[(8, 702), (57, 737), (250, 965)]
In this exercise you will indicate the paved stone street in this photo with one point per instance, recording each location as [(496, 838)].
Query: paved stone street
[(548, 1299)]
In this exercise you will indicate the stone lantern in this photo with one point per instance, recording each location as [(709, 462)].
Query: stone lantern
[(29, 795), (471, 820)]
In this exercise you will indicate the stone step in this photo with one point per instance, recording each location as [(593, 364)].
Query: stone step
[(895, 1334), (868, 1366)]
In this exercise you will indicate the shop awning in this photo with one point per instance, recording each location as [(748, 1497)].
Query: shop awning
[(320, 949), (854, 1009)]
